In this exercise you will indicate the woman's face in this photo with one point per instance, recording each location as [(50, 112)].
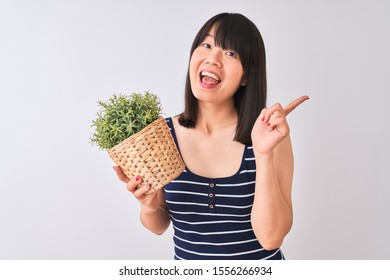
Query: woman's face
[(215, 73)]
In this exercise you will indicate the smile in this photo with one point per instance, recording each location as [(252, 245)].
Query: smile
[(209, 78)]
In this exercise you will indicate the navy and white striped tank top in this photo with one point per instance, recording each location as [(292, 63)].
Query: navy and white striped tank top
[(211, 216)]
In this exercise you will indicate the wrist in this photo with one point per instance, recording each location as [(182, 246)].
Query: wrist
[(148, 210), (263, 156)]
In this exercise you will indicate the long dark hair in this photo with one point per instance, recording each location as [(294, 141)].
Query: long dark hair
[(236, 32)]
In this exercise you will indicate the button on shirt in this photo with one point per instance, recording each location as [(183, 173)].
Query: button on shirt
[(211, 216)]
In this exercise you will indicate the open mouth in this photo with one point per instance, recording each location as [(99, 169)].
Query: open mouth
[(209, 78)]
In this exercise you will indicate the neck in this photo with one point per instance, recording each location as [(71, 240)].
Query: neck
[(215, 118)]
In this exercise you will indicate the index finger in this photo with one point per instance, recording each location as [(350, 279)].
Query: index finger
[(120, 174), (294, 104)]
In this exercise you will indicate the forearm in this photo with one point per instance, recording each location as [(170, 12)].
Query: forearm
[(271, 213), (156, 220)]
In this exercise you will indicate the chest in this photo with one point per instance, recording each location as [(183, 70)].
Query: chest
[(232, 195), (210, 156)]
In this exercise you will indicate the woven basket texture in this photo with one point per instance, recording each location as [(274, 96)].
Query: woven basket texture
[(151, 153)]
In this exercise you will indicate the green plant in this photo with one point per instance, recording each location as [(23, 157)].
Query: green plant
[(122, 116)]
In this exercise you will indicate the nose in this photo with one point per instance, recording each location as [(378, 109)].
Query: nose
[(214, 57)]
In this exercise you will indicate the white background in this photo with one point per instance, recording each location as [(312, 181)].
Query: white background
[(60, 198)]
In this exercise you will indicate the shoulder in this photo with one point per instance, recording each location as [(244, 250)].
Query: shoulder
[(171, 119), (173, 123), (168, 120)]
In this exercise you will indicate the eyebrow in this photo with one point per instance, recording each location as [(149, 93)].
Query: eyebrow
[(208, 34)]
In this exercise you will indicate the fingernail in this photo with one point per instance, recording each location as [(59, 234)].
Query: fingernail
[(263, 119), (145, 185), (269, 124), (137, 178)]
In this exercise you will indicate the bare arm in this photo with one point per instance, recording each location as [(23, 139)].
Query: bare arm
[(272, 213), (157, 220), (153, 214), (272, 208)]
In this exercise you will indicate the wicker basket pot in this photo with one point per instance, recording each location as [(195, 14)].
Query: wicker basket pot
[(150, 153)]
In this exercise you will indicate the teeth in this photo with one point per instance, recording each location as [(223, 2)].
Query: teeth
[(211, 75)]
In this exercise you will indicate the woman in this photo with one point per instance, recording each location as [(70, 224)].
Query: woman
[(233, 200)]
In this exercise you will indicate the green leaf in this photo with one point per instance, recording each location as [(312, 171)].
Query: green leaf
[(122, 116)]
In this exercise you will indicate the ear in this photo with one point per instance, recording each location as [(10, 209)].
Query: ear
[(244, 81)]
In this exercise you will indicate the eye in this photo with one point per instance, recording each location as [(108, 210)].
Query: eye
[(230, 53), (206, 45)]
